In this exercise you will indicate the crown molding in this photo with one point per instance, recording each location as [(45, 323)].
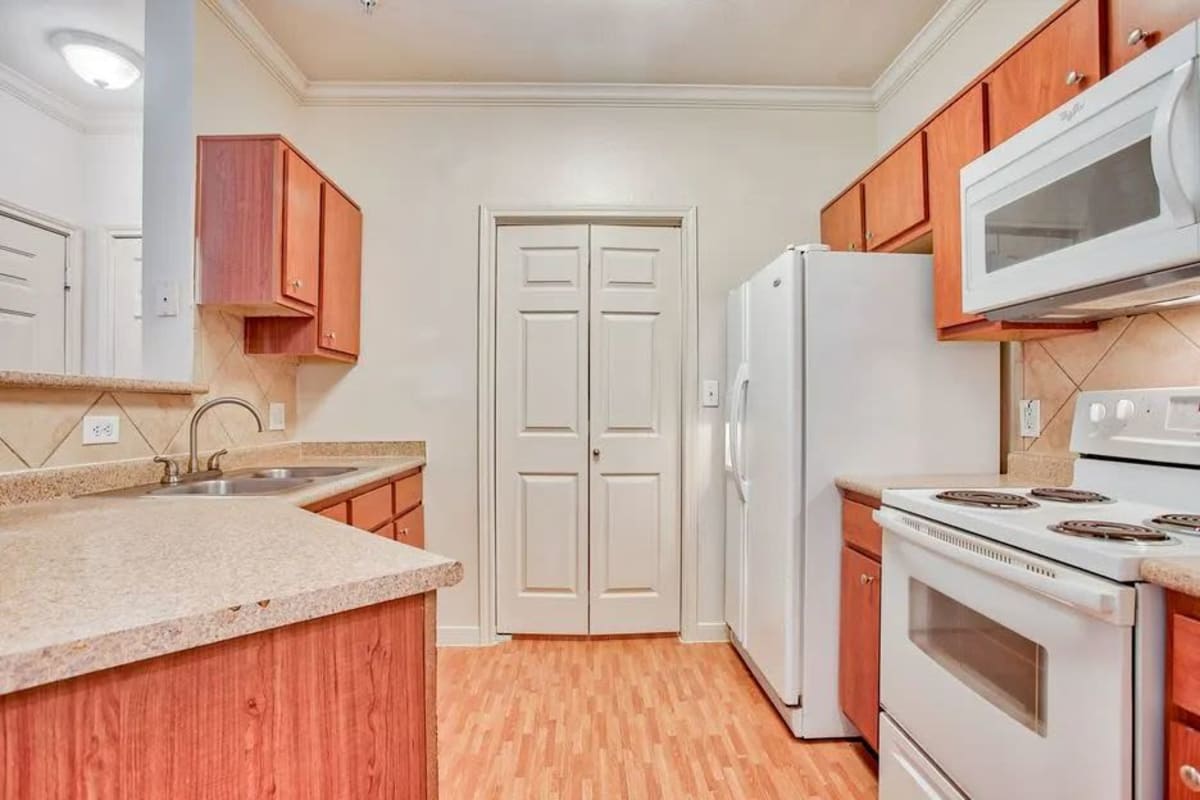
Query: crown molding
[(258, 40), (611, 95), (58, 108), (929, 40), (261, 44)]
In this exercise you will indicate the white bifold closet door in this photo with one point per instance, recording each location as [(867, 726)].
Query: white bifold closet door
[(588, 365), (33, 264)]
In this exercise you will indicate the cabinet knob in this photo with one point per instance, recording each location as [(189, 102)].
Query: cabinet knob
[(1136, 37), (854, 245), (595, 452), (870, 236), (864, 579), (297, 283), (404, 532), (333, 336), (1190, 777), (1074, 78)]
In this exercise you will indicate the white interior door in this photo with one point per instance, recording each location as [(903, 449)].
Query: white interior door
[(127, 305), (635, 379), (33, 265), (587, 420), (542, 429)]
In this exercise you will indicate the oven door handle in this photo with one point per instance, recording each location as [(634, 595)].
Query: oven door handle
[(1175, 197), (1110, 602)]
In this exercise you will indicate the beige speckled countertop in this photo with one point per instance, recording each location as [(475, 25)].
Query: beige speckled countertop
[(874, 485), (1177, 574), (96, 582)]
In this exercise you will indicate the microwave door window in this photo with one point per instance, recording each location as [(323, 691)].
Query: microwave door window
[(1116, 192)]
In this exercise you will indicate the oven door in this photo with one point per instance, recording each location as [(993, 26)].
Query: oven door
[(1013, 673), (1102, 190)]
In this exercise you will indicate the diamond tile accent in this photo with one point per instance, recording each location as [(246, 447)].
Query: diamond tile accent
[(1079, 354), (10, 461), (72, 450), (1046, 381), (1150, 353), (34, 422)]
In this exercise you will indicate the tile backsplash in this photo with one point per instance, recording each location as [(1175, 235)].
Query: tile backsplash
[(42, 427), (1125, 353)]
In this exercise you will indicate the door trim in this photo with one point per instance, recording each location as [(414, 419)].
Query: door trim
[(682, 217), (103, 355), (74, 278)]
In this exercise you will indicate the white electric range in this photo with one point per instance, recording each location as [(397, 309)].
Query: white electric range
[(1021, 655)]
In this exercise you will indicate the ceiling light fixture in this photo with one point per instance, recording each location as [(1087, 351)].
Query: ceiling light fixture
[(100, 61), (368, 5)]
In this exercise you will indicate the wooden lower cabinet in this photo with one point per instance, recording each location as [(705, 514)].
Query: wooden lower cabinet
[(858, 640), (391, 508), (336, 707), (1182, 704)]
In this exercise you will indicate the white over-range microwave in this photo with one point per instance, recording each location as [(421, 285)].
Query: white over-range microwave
[(1094, 210)]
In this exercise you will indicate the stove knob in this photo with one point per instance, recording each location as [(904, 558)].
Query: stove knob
[(1097, 412), (1125, 409)]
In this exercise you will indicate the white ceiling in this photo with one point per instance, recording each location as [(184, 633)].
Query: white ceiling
[(730, 42), (26, 24)]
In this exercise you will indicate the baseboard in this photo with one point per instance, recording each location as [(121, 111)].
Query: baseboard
[(706, 632), (458, 636)]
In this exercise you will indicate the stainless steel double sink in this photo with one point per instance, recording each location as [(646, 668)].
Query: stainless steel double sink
[(249, 482)]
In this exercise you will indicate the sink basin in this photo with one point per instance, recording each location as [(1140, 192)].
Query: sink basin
[(223, 487), (301, 472)]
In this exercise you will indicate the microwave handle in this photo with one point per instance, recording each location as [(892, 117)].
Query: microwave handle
[(1162, 145)]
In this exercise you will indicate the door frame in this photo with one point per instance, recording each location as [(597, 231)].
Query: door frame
[(73, 278), (682, 217), (105, 276)]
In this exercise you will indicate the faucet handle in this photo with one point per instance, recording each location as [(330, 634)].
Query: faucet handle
[(170, 470), (214, 461)]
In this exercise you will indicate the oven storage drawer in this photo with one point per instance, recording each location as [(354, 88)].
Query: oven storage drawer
[(905, 773), (1030, 662)]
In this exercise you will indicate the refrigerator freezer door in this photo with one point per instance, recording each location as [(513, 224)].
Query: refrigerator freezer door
[(736, 370), (771, 423)]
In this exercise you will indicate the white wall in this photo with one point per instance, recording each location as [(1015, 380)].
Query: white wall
[(41, 162), (757, 178), (995, 27)]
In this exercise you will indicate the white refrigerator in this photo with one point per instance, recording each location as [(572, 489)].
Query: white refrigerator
[(833, 368)]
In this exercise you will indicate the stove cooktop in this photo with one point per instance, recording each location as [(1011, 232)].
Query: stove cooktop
[(1081, 528)]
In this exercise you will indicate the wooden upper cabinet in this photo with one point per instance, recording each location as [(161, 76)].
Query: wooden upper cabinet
[(1137, 25), (301, 228), (341, 272), (955, 138), (858, 648), (1060, 61), (842, 221), (896, 195)]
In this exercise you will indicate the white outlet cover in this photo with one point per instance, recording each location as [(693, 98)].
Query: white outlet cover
[(1031, 418), (276, 416), (101, 430), (711, 394)]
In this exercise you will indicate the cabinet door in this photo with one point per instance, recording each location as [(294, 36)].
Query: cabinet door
[(955, 137), (896, 193), (842, 221), (1054, 66), (338, 513), (341, 272), (1183, 762), (858, 648), (410, 528), (1137, 25), (301, 228)]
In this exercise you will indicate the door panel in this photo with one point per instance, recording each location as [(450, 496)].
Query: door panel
[(896, 195), (1137, 25), (32, 299), (301, 228), (127, 306), (341, 272), (842, 221), (541, 429), (635, 382), (858, 646)]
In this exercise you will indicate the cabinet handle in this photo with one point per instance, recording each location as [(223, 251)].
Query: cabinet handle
[(854, 245), (1190, 777), (297, 283), (870, 236), (1136, 37), (864, 579), (1074, 78), (332, 336)]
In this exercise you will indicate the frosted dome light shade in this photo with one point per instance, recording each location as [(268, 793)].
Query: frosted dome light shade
[(99, 61)]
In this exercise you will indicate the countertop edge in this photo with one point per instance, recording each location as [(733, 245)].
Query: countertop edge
[(20, 671), (1180, 575)]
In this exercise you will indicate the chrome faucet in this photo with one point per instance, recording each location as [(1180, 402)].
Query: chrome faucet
[(193, 464)]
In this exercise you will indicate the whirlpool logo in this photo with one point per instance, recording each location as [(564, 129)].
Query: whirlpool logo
[(1068, 114)]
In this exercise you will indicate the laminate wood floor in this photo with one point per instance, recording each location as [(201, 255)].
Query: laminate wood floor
[(625, 718)]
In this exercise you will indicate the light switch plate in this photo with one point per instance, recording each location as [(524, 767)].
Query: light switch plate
[(101, 430), (166, 299), (1031, 418), (712, 394), (276, 416)]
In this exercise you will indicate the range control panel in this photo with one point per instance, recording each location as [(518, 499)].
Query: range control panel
[(1160, 425)]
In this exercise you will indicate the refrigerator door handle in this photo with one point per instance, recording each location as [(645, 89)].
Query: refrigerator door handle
[(737, 419)]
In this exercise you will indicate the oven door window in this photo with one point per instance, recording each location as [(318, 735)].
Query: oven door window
[(1001, 666), (1116, 192)]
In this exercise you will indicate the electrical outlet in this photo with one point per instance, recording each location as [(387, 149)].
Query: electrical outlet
[(1031, 418), (276, 419), (101, 430), (711, 397)]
